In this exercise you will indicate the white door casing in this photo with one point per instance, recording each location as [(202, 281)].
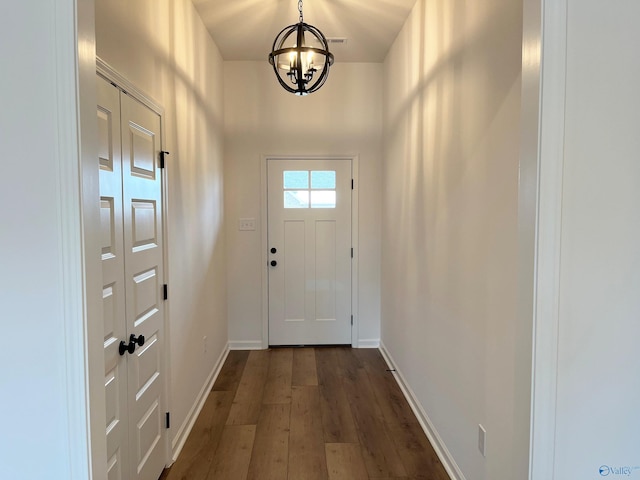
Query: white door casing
[(133, 279), (309, 226)]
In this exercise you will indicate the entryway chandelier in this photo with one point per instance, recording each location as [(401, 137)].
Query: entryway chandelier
[(296, 60)]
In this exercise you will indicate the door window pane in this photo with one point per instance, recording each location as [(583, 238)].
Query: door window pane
[(296, 199), (323, 199), (323, 179), (296, 179), (300, 193)]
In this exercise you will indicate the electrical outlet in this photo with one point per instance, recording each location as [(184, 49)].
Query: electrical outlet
[(247, 224), (482, 440)]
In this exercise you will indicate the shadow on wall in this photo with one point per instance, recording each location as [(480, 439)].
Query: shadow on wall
[(197, 125), (449, 263), (459, 80)]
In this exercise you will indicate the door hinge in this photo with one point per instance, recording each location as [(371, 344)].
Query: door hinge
[(168, 420), (351, 252), (165, 291), (162, 158), (352, 184), (351, 320)]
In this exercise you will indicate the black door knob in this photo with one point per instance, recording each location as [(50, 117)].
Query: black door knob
[(131, 346), (273, 250), (273, 263), (124, 347)]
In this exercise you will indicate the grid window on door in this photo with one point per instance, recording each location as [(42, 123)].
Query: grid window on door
[(309, 189)]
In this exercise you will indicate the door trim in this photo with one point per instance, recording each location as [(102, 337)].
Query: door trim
[(541, 181), (112, 75), (355, 337), (73, 156)]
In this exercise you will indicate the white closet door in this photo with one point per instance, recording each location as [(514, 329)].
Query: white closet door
[(142, 212), (113, 288), (132, 261)]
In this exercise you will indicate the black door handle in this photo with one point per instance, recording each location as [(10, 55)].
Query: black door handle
[(131, 346), (124, 347), (273, 250), (273, 263)]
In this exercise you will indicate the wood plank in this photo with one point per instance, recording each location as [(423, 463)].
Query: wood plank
[(271, 446), (389, 396), (246, 404), (307, 458), (231, 372), (231, 460), (344, 462), (378, 450), (418, 456), (337, 421), (278, 386), (304, 367), (416, 452), (197, 454), (392, 443)]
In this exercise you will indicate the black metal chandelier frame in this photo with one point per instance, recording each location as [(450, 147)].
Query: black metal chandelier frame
[(300, 76)]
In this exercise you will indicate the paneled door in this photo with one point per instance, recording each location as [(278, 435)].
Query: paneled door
[(113, 288), (132, 258), (309, 235)]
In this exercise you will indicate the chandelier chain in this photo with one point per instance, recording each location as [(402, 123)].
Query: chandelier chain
[(300, 9)]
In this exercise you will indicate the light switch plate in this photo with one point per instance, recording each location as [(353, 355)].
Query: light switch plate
[(247, 224)]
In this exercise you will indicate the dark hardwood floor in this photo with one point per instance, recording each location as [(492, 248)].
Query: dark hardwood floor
[(306, 414)]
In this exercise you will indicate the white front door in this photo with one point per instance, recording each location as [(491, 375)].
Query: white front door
[(309, 235), (131, 200)]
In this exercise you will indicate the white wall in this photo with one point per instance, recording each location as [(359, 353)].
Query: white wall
[(342, 118), (163, 48), (598, 394), (450, 229), (45, 368)]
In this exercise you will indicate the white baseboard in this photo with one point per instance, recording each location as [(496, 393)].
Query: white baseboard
[(185, 429), (368, 343), (246, 345), (430, 431)]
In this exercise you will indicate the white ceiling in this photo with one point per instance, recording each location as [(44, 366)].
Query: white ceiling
[(245, 29)]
